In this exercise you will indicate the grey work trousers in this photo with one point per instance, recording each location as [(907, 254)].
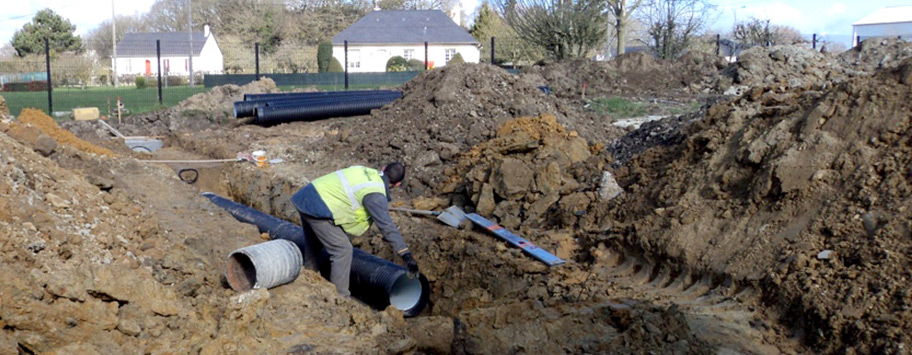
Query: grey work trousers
[(337, 245)]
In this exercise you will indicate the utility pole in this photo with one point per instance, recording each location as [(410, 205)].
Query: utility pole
[(114, 43), (190, 32)]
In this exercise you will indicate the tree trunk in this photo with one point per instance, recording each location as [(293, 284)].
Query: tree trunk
[(620, 27)]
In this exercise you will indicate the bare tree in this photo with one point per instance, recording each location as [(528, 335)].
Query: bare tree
[(562, 28), (620, 13), (673, 24), (99, 38), (760, 32)]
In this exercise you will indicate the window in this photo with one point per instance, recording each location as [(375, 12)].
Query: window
[(129, 67), (450, 53), (408, 54), (354, 58)]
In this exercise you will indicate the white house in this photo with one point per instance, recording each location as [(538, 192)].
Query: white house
[(891, 21), (381, 35), (136, 53)]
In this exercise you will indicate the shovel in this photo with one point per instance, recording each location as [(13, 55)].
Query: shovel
[(452, 216)]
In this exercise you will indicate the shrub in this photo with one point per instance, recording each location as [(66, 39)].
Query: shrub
[(335, 66), (140, 82), (324, 56), (457, 59), (397, 63), (415, 65)]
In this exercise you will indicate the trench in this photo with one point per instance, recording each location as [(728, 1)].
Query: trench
[(500, 300)]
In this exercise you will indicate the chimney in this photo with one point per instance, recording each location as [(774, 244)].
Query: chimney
[(206, 31), (456, 13)]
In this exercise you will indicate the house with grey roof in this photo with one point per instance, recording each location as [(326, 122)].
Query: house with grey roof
[(136, 53), (381, 35)]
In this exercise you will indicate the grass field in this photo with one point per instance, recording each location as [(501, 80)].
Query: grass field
[(135, 100)]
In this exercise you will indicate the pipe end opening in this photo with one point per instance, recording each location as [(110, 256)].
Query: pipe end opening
[(241, 272), (409, 295)]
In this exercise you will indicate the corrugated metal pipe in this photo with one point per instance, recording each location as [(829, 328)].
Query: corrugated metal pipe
[(268, 116), (248, 108), (374, 281), (265, 265)]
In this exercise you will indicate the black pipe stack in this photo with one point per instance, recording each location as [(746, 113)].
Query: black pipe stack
[(271, 109)]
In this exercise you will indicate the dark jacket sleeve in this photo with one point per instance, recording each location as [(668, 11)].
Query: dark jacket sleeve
[(378, 208)]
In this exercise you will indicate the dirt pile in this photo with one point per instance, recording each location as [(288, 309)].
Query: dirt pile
[(529, 174), (630, 74), (802, 192), (445, 111), (784, 67), (44, 127), (875, 54)]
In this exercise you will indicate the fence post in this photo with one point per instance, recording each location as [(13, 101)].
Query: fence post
[(492, 50), (857, 40), (718, 44), (47, 61), (346, 63), (814, 41), (425, 56), (256, 55), (158, 56)]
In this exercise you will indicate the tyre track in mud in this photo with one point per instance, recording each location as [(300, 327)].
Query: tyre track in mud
[(726, 314)]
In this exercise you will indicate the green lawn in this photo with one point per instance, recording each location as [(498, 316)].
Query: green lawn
[(135, 100)]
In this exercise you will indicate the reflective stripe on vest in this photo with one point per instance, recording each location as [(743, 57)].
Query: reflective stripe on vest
[(350, 190), (343, 198)]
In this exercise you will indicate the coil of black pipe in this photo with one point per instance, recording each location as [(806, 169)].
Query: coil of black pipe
[(268, 116), (374, 281), (248, 108)]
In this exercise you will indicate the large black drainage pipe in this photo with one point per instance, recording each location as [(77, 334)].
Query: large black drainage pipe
[(248, 108), (253, 97), (374, 281), (268, 116)]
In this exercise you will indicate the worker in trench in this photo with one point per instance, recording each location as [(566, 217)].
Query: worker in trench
[(344, 203)]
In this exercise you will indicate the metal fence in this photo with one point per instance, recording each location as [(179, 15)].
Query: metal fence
[(58, 82)]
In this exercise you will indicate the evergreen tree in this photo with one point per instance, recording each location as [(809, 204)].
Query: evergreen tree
[(46, 24), (324, 56)]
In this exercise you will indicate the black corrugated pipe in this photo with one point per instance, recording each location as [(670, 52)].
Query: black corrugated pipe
[(268, 116), (374, 281), (248, 108), (253, 97)]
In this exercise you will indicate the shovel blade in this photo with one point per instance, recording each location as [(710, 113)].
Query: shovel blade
[(452, 216)]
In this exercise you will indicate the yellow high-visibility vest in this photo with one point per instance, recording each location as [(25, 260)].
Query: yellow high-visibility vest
[(343, 191)]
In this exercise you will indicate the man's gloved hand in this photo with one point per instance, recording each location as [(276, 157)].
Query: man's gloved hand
[(411, 264)]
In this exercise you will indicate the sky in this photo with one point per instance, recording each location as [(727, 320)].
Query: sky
[(825, 17)]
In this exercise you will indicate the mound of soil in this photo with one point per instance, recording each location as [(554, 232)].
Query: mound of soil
[(803, 192), (630, 74), (785, 67), (875, 54), (446, 111)]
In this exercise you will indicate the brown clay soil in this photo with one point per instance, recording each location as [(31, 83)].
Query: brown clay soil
[(774, 219)]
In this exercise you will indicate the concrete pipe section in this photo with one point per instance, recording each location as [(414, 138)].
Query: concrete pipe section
[(375, 281), (265, 265)]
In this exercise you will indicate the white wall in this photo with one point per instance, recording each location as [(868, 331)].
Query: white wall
[(373, 58), (894, 30), (209, 61)]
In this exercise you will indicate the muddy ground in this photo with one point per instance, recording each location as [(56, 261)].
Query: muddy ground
[(773, 218)]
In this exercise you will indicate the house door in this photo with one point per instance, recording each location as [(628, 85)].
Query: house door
[(148, 67)]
